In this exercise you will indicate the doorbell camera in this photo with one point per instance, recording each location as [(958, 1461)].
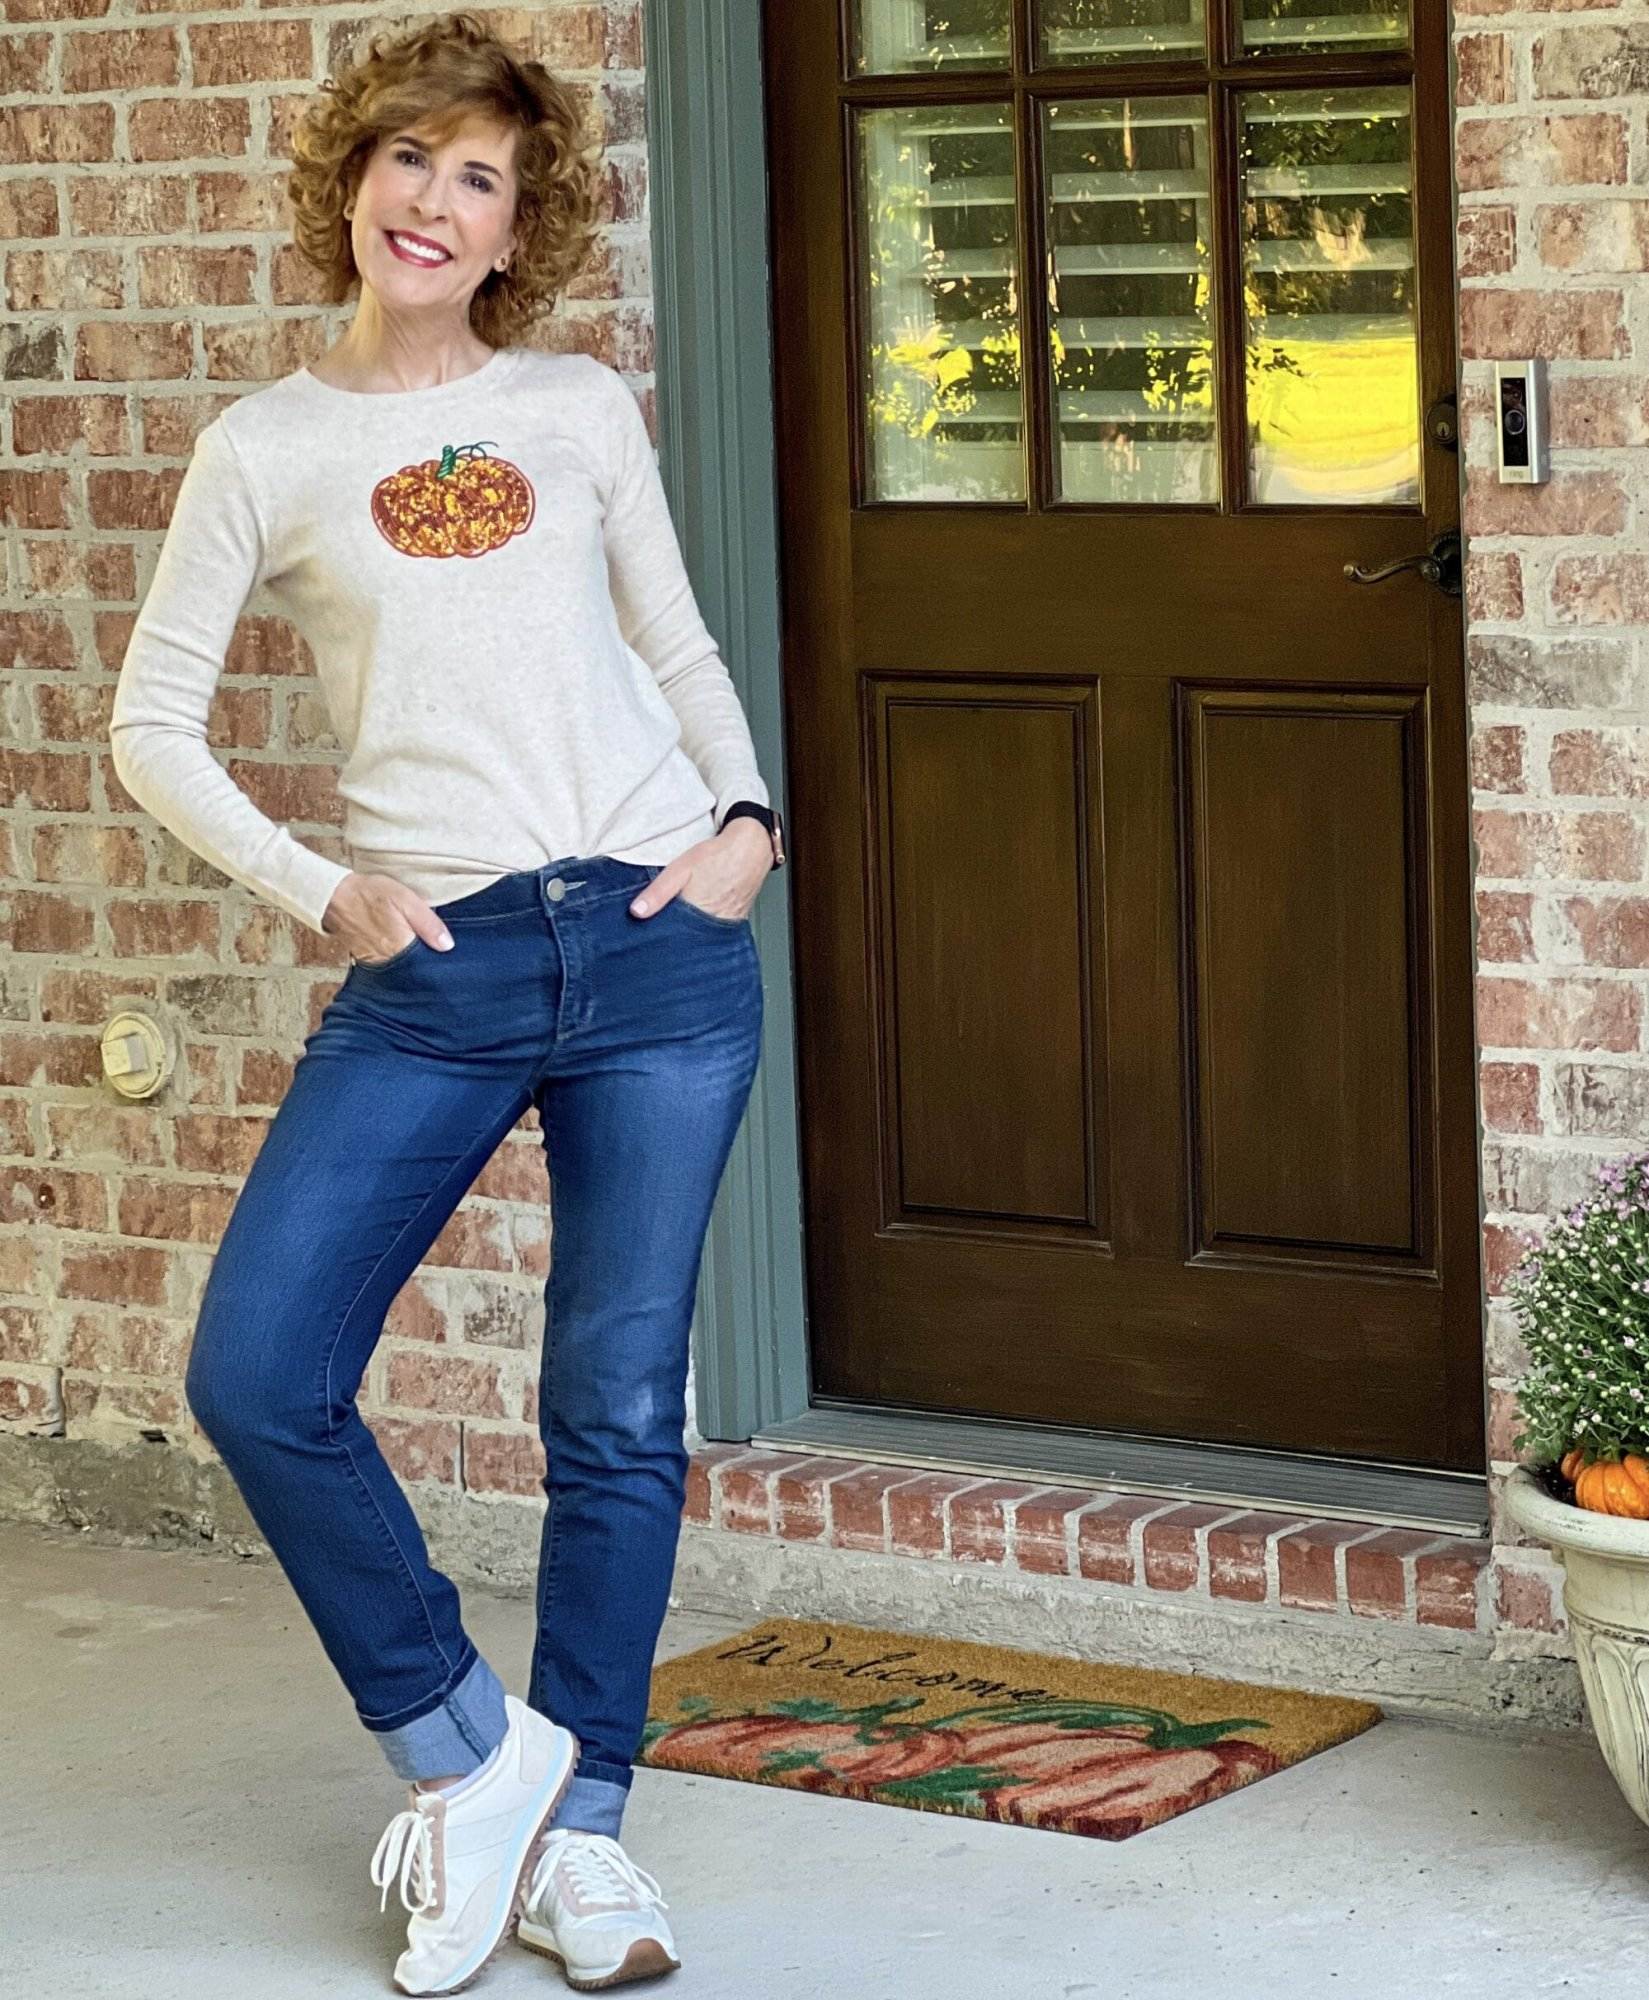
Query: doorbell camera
[(1520, 426)]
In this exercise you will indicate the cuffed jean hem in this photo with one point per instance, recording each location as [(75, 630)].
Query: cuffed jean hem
[(592, 1805), (455, 1738)]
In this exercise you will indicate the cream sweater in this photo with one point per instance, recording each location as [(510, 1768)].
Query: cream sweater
[(504, 632)]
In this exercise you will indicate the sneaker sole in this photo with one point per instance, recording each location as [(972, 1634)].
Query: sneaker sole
[(518, 1896), (646, 1959)]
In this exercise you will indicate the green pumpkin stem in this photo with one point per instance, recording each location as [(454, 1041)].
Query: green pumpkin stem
[(451, 453)]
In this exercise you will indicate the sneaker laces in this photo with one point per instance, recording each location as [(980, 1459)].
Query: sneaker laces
[(599, 1869), (406, 1845)]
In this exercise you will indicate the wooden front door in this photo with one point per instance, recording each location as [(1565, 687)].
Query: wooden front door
[(1131, 831)]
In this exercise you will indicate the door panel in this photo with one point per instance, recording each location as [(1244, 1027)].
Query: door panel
[(1133, 940)]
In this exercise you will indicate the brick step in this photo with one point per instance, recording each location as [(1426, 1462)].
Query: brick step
[(1243, 1555)]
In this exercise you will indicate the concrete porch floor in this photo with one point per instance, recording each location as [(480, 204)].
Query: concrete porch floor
[(190, 1809)]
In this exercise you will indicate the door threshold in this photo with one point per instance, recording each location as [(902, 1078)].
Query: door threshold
[(1400, 1496)]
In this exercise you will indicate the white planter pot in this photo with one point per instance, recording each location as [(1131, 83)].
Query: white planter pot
[(1606, 1600)]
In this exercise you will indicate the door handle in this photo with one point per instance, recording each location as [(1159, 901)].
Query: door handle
[(1440, 564)]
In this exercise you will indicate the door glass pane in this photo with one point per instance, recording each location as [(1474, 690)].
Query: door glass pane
[(1129, 299), (1324, 24), (1328, 256), (940, 303), (1081, 31), (894, 35)]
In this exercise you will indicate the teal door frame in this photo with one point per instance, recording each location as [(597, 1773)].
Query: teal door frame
[(714, 374)]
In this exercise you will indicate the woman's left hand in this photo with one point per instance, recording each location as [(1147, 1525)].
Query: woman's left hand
[(724, 872)]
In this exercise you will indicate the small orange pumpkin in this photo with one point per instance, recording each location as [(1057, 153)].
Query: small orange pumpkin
[(1609, 1486)]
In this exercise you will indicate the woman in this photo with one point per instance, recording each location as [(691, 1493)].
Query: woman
[(558, 828)]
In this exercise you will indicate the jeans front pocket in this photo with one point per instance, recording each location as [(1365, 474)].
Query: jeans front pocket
[(708, 916), (395, 958)]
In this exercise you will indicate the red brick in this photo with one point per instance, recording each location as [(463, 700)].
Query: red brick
[(1172, 1559), (1568, 326), (801, 1502), (1505, 927), (52, 1195), (699, 1468), (1510, 1094), (1558, 1013), (1579, 503), (1594, 236), (746, 1491), (31, 1399), (1042, 1529), (1306, 1577), (455, 1384), (1483, 66), (1487, 241), (1600, 60), (858, 1505), (178, 127), (117, 1273), (1497, 750), (416, 1448), (503, 1461), (1494, 583), (1445, 1585), (1561, 150), (979, 1520), (1595, 412), (249, 51), (1528, 1599), (38, 135), (44, 780), (1607, 590), (124, 1342), (1376, 1572), (1105, 1535), (106, 59), (96, 1406), (1236, 1555), (1592, 846), (916, 1512)]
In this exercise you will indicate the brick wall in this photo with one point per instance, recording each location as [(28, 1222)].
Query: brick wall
[(149, 282), (1552, 155)]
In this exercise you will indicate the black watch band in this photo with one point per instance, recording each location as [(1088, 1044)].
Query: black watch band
[(769, 819)]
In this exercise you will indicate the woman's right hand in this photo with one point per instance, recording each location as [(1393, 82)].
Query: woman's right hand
[(373, 914)]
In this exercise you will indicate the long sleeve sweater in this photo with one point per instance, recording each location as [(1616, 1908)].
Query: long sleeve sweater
[(504, 633)]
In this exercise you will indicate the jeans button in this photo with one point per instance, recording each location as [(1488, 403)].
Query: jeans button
[(556, 888)]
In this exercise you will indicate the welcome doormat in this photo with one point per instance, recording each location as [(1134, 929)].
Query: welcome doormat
[(947, 1725)]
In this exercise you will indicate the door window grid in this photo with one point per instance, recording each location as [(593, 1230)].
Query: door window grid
[(1324, 294), (939, 303), (1129, 228), (898, 37), (1331, 342)]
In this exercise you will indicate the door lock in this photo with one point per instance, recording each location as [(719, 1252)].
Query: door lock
[(1440, 564)]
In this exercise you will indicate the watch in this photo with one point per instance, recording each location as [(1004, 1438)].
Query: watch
[(770, 819)]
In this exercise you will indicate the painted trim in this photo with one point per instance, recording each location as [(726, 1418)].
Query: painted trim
[(714, 375)]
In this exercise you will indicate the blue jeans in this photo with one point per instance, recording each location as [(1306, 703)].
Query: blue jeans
[(637, 1039)]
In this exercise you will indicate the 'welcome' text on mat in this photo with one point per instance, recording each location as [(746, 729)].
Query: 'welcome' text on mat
[(948, 1725)]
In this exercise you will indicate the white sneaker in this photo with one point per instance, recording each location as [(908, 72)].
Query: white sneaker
[(590, 1907), (462, 1858)]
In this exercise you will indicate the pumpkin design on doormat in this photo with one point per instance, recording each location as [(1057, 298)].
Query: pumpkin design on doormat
[(1083, 1767), (467, 502), (990, 1732)]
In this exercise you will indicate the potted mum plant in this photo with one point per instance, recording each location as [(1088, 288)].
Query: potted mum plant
[(1582, 1302)]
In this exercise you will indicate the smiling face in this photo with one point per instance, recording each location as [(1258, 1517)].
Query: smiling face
[(431, 220)]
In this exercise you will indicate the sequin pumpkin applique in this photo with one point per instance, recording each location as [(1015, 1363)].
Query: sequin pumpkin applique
[(467, 502)]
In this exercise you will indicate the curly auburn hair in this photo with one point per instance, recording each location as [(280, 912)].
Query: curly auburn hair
[(432, 77)]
